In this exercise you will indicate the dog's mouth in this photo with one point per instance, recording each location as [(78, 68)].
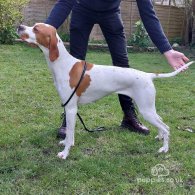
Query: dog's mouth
[(21, 32), (24, 36)]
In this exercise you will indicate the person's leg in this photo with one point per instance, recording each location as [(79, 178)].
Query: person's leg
[(113, 30), (80, 29)]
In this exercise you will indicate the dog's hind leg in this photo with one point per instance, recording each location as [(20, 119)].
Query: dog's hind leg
[(146, 106), (69, 140), (151, 116), (163, 129), (160, 135)]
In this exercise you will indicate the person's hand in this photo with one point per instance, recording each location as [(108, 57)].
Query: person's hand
[(175, 59)]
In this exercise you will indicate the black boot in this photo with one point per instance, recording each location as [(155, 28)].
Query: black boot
[(131, 122), (62, 130)]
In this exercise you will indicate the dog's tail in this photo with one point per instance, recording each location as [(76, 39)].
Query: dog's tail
[(165, 75)]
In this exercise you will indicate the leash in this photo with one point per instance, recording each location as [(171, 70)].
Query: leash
[(80, 118)]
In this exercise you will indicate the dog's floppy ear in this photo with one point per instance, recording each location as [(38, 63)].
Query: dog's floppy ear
[(53, 49)]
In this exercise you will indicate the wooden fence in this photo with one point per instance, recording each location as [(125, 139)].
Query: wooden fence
[(171, 18)]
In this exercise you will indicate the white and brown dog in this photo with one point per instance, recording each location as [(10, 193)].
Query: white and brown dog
[(98, 81)]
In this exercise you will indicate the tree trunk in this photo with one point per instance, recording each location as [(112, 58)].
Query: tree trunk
[(193, 23), (187, 33)]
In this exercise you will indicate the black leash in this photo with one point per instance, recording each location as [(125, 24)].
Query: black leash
[(64, 105)]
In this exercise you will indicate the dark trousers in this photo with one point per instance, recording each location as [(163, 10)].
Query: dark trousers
[(82, 22)]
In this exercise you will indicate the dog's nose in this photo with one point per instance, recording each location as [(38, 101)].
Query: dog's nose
[(21, 28)]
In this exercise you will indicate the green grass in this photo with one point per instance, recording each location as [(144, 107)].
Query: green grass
[(110, 162)]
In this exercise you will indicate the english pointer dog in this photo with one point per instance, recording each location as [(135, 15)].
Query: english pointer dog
[(98, 81)]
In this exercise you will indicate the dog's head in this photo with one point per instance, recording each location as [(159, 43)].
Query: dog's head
[(43, 35)]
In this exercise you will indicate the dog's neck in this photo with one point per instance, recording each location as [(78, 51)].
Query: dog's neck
[(65, 58)]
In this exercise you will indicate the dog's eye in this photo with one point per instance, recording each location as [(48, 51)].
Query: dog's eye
[(35, 29)]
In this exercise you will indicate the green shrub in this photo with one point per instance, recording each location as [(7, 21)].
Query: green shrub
[(140, 37), (10, 15), (64, 36), (177, 40)]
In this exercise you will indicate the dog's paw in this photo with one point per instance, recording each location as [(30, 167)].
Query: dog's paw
[(62, 143), (159, 137), (163, 150), (62, 155)]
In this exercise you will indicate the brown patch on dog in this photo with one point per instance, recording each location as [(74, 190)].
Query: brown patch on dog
[(24, 36), (46, 36), (75, 75), (89, 65)]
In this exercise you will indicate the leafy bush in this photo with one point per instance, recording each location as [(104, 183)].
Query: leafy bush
[(177, 40), (10, 15), (140, 37), (64, 36)]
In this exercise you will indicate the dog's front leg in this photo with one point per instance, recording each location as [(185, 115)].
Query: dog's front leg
[(69, 140)]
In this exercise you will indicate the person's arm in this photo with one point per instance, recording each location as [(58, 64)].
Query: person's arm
[(60, 12), (155, 31), (152, 25)]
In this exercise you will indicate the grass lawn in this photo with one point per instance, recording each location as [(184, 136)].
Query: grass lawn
[(116, 161)]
